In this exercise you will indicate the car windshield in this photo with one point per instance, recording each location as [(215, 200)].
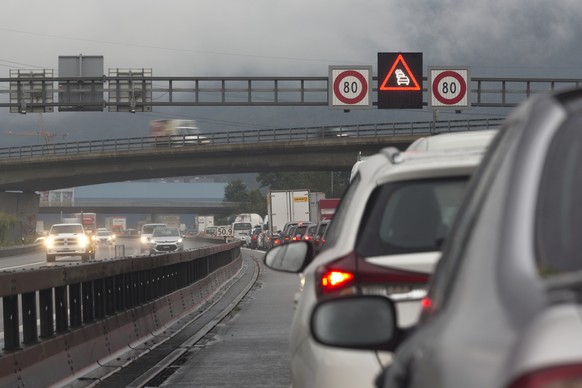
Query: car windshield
[(166, 232), (149, 229), (412, 216), (57, 229)]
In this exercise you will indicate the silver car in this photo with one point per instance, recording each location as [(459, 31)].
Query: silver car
[(166, 239), (504, 306)]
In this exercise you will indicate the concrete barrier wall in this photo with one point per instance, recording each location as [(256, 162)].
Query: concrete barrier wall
[(65, 357)]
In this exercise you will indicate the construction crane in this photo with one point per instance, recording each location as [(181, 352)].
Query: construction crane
[(42, 133)]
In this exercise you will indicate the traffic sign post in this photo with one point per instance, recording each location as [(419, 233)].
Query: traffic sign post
[(449, 88), (349, 87), (399, 80)]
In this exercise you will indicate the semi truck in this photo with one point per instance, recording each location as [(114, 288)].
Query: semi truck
[(88, 220), (116, 224), (176, 132), (327, 208), (286, 206)]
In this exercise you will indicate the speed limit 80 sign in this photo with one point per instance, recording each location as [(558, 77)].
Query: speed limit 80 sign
[(449, 88), (349, 87)]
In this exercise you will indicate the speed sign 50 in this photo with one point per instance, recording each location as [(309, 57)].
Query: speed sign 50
[(449, 88), (349, 87)]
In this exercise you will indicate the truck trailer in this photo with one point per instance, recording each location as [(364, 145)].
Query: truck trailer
[(286, 206)]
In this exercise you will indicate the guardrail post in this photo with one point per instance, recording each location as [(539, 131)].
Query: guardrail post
[(119, 250), (29, 329), (88, 302), (46, 313), (134, 289), (10, 314), (127, 291), (61, 309), (109, 295), (75, 304), (119, 292), (99, 298)]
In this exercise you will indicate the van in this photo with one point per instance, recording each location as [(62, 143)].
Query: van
[(241, 229)]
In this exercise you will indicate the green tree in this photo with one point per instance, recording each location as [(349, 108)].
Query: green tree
[(249, 201), (8, 223)]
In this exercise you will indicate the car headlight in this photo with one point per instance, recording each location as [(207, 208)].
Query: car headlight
[(144, 239), (83, 241), (48, 242), (180, 241)]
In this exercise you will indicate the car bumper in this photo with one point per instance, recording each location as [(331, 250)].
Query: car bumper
[(161, 248)]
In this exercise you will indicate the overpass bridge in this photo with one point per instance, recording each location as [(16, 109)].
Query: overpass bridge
[(62, 165), (139, 207)]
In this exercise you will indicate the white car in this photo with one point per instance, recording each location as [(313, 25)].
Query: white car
[(68, 240), (146, 233), (103, 236), (166, 239), (384, 239)]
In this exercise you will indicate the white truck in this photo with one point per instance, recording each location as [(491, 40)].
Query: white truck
[(69, 239), (116, 224), (286, 206), (253, 218)]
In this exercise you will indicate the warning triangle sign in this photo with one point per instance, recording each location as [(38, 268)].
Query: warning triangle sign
[(399, 77)]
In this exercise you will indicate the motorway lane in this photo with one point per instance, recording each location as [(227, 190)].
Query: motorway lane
[(241, 341), (131, 246)]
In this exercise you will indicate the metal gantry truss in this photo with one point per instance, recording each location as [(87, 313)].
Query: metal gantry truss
[(138, 91)]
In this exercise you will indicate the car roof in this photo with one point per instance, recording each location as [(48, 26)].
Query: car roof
[(453, 141), (390, 164)]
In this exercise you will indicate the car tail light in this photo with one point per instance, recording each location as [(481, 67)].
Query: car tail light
[(254, 238), (351, 274), (555, 376), (307, 237), (338, 276), (296, 238)]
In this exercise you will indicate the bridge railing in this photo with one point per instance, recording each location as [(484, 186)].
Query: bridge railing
[(251, 136)]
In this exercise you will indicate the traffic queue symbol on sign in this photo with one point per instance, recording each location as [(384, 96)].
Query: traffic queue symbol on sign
[(449, 87), (400, 77)]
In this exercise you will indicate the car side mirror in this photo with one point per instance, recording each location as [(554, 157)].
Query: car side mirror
[(365, 322), (293, 257)]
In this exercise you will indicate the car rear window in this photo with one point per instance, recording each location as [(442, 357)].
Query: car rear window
[(410, 216), (242, 226), (559, 213)]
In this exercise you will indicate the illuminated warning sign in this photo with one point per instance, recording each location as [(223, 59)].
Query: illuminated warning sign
[(400, 80)]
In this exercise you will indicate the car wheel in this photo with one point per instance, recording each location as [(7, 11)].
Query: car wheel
[(50, 258)]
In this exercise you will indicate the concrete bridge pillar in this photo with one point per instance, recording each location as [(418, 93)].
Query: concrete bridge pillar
[(24, 206)]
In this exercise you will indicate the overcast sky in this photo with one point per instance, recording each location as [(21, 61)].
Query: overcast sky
[(527, 38)]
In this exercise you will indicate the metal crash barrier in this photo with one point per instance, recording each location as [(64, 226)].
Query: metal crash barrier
[(60, 312)]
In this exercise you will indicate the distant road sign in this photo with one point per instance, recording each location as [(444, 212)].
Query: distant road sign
[(449, 88), (400, 80), (349, 87), (223, 231)]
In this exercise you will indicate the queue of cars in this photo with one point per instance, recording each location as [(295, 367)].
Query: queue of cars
[(384, 240), (502, 308)]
